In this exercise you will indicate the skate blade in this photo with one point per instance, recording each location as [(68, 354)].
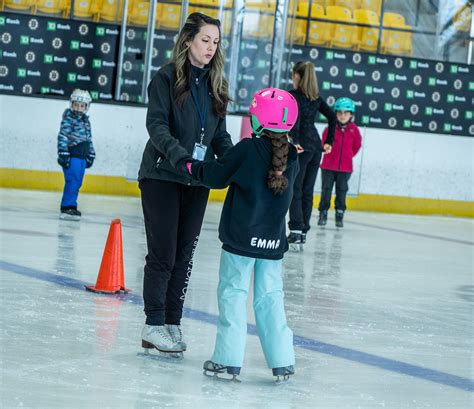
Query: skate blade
[(69, 217), (161, 356), (281, 379), (221, 376)]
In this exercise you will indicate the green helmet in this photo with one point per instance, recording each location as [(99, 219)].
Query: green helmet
[(344, 104)]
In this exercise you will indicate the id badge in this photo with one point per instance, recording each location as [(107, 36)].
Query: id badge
[(199, 151)]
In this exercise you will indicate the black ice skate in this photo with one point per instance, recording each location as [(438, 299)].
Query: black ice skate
[(303, 238), (69, 213), (323, 218), (157, 337), (295, 240), (222, 372), (283, 373), (339, 218)]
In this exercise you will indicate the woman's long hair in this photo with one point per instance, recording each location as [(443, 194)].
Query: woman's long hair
[(308, 83), (276, 180), (180, 58)]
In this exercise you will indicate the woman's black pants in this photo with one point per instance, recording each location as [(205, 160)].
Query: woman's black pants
[(173, 215)]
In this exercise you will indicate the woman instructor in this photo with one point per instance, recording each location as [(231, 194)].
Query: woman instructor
[(186, 116)]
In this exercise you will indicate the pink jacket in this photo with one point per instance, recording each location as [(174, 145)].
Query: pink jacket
[(347, 143)]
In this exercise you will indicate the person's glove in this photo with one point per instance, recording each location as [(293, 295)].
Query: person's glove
[(188, 167), (89, 161), (64, 159), (181, 166)]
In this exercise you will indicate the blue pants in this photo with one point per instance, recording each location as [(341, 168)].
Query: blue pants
[(73, 177), (275, 336)]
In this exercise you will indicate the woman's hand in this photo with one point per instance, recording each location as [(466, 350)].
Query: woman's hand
[(299, 148), (327, 148)]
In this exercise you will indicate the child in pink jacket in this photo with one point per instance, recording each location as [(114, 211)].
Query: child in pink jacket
[(336, 166)]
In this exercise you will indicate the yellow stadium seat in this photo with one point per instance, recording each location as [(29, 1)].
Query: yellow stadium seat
[(372, 5), (297, 32), (366, 38), (318, 31), (396, 42), (462, 18), (348, 4), (258, 26), (267, 6), (108, 10), (302, 7), (323, 3), (85, 8), (393, 20), (226, 22), (317, 11), (138, 15), (19, 4), (51, 6), (214, 3), (168, 15), (341, 35), (299, 8)]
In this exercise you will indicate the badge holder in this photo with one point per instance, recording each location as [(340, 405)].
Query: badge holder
[(199, 151)]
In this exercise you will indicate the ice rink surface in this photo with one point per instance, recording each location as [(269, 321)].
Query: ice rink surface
[(382, 313)]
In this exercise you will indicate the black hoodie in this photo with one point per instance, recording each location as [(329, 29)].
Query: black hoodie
[(173, 130), (253, 217), (304, 132)]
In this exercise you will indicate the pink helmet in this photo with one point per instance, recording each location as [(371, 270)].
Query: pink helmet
[(273, 109)]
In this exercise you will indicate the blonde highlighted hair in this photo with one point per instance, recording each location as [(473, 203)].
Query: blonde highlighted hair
[(219, 85), (308, 83)]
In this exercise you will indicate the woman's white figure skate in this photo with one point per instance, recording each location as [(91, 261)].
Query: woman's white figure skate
[(176, 335), (157, 337)]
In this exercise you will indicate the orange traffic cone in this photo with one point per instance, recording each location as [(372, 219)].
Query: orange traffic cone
[(110, 279)]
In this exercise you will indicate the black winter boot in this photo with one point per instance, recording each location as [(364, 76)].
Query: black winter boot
[(323, 218), (295, 240), (339, 218), (70, 213)]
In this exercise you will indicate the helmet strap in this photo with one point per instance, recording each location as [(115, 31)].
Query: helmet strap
[(256, 126)]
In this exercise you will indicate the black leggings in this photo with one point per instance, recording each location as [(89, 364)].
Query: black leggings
[(173, 217), (302, 202)]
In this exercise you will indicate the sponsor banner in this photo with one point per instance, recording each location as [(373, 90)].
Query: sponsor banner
[(397, 92), (134, 60), (254, 60), (44, 55), (389, 91)]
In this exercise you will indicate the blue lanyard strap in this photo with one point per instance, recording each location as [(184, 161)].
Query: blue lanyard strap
[(202, 113)]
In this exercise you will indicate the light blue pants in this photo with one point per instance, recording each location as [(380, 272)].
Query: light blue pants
[(275, 336)]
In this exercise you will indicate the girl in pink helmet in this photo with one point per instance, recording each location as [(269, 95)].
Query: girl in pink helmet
[(260, 172)]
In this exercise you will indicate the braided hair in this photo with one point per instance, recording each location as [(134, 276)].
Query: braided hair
[(276, 180)]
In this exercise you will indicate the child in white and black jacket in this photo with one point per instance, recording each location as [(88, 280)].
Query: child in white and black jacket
[(75, 151)]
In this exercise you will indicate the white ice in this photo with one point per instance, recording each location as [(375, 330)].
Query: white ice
[(382, 313)]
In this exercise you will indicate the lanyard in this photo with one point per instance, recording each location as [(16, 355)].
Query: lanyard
[(203, 113)]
